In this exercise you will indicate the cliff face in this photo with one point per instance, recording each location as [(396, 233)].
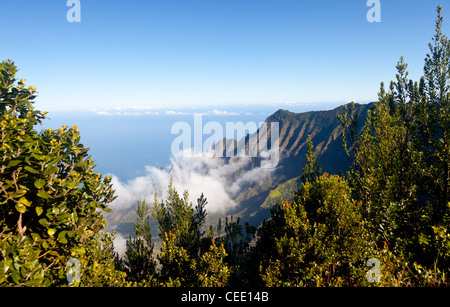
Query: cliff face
[(325, 130), (294, 128)]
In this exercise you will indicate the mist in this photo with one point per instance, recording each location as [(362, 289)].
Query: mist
[(213, 177)]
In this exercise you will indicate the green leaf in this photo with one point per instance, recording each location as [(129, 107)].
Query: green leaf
[(62, 237), (21, 208), (31, 170), (39, 210), (51, 170), (13, 163), (16, 277), (43, 194), (70, 185), (23, 272), (51, 231), (78, 251), (24, 201), (44, 222), (39, 183), (35, 237)]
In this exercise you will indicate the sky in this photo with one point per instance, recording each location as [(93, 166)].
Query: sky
[(184, 53)]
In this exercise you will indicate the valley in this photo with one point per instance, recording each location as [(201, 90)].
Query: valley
[(254, 199)]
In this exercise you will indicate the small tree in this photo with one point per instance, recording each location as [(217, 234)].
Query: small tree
[(188, 257), (179, 216), (51, 200), (175, 214), (139, 263), (349, 134), (236, 239), (401, 168), (319, 239), (311, 170), (179, 269)]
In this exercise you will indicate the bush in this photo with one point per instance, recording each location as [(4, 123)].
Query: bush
[(51, 200)]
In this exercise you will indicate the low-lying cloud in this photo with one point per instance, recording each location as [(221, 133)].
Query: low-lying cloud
[(219, 181), (149, 110), (210, 176)]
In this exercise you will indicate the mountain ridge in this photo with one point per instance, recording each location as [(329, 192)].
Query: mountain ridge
[(254, 200), (325, 130)]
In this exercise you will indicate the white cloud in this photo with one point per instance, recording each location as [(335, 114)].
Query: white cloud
[(102, 113), (150, 110), (120, 244), (218, 112), (211, 176), (171, 112)]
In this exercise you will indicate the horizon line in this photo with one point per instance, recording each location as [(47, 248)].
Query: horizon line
[(209, 110)]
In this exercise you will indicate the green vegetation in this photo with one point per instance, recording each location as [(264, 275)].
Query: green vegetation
[(391, 207), (322, 240), (51, 199)]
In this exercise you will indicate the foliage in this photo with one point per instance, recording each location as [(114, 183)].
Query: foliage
[(181, 269), (349, 122), (20, 264), (212, 270), (188, 258), (320, 241), (139, 263), (178, 215), (386, 173), (51, 200), (178, 269), (236, 239), (98, 267), (401, 166), (311, 170)]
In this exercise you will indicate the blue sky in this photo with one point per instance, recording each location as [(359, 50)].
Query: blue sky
[(182, 53)]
